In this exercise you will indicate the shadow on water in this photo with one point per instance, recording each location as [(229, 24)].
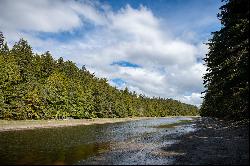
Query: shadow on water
[(50, 146), (134, 142), (62, 156)]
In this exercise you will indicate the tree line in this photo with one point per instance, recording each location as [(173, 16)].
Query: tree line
[(227, 78), (34, 86)]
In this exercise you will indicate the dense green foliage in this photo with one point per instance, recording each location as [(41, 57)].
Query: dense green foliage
[(39, 87), (226, 82)]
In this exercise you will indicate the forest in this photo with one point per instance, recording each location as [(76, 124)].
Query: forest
[(34, 86), (227, 77)]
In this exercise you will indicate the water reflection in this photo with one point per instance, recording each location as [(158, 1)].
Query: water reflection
[(83, 144), (59, 156), (50, 146)]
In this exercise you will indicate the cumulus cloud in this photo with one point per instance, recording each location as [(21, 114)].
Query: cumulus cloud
[(46, 15), (194, 98), (168, 64), (37, 15)]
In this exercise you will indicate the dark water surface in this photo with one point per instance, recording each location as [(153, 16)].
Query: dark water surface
[(134, 142)]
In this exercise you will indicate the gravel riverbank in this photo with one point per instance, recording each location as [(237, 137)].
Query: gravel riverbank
[(214, 142)]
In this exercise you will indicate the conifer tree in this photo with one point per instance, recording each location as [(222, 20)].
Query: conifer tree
[(36, 86), (227, 83)]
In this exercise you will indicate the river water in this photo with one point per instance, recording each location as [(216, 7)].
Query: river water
[(133, 142)]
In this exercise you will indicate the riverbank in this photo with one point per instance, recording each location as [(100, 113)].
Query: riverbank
[(215, 142), (10, 125)]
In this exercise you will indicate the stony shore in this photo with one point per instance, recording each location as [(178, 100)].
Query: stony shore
[(216, 142)]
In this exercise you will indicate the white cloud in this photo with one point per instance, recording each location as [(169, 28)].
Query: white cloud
[(46, 15), (169, 67), (141, 23), (194, 98), (202, 50)]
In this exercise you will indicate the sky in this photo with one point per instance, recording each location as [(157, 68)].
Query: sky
[(153, 47)]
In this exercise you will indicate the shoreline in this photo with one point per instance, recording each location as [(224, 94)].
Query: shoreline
[(215, 142), (14, 125)]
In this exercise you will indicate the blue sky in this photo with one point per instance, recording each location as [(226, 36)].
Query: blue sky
[(154, 47), (125, 64)]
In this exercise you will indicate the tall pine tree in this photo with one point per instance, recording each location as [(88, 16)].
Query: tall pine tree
[(226, 83)]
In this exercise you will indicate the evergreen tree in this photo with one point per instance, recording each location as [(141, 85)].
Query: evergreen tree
[(226, 82), (36, 86)]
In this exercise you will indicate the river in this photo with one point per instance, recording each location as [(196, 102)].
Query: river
[(133, 142)]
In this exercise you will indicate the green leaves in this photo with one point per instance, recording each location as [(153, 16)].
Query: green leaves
[(39, 87)]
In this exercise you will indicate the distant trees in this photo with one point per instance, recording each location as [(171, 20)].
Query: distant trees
[(227, 80), (39, 87)]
